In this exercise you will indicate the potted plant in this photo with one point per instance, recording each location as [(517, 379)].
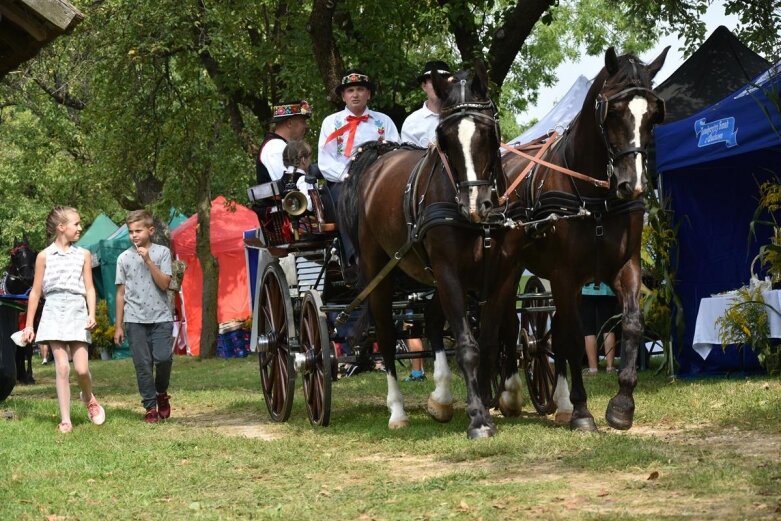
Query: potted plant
[(746, 322), (103, 334), (769, 254)]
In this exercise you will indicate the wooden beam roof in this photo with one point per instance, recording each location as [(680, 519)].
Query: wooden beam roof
[(26, 26)]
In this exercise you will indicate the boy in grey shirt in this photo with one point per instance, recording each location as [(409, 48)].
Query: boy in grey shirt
[(144, 314)]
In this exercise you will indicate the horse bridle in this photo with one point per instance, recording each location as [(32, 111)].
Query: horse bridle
[(462, 110), (601, 108), (14, 251)]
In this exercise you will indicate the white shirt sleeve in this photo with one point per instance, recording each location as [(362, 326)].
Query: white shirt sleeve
[(329, 163), (271, 157)]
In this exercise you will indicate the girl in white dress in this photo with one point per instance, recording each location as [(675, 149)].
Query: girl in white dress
[(63, 276)]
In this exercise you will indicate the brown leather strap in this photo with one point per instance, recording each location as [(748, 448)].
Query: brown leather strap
[(447, 168), (342, 318)]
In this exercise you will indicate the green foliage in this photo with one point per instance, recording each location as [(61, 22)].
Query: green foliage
[(746, 323), (660, 304), (759, 27)]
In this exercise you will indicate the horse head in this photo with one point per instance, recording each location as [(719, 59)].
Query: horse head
[(468, 139), (23, 261), (626, 109)]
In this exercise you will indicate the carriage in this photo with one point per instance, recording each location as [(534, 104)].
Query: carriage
[(299, 292), (573, 213)]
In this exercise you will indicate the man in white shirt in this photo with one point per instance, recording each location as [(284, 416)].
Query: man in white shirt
[(420, 126), (291, 121), (342, 132)]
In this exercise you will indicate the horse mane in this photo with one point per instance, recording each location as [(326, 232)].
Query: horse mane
[(350, 201)]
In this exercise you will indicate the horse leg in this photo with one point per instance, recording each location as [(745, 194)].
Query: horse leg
[(621, 408), (382, 314), (28, 355), (569, 346), (440, 402), (511, 397), (19, 361), (452, 297), (561, 393)]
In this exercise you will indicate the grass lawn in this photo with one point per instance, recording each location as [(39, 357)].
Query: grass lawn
[(703, 449)]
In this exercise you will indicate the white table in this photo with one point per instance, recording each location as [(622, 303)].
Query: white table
[(706, 333)]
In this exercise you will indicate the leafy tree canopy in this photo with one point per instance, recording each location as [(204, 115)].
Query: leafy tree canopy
[(162, 103)]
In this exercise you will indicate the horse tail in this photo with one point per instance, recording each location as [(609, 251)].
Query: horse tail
[(351, 198)]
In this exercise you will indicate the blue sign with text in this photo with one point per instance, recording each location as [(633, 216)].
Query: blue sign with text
[(719, 131)]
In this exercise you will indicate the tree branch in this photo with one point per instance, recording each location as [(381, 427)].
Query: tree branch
[(463, 28), (508, 38), (61, 96), (232, 96)]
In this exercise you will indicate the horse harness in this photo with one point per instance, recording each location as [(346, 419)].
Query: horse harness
[(421, 217)]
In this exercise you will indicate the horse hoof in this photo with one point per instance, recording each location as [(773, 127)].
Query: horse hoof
[(484, 431), (585, 424), (562, 418), (398, 424), (509, 408), (441, 412), (618, 419)]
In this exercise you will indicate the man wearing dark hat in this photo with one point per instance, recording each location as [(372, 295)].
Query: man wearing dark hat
[(343, 131), (420, 126), (291, 121)]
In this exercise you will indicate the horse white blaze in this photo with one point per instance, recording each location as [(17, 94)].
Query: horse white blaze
[(561, 395), (395, 402), (442, 376), (466, 130), (638, 107)]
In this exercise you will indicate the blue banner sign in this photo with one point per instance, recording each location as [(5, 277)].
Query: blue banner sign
[(719, 131)]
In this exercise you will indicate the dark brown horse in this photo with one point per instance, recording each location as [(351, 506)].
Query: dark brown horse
[(607, 142), (428, 209)]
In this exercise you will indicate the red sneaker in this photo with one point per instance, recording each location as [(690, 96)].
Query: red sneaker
[(164, 405), (151, 416)]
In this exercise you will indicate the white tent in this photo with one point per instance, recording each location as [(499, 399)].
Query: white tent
[(560, 115)]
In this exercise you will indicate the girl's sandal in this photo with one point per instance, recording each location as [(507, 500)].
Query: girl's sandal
[(65, 428)]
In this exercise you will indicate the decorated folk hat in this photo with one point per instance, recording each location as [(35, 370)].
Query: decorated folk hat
[(435, 65), (354, 77), (289, 109)]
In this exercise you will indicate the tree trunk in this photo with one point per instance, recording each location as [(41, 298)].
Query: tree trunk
[(210, 270), (327, 56)]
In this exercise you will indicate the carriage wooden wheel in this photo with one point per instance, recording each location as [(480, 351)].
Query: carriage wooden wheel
[(319, 367), (275, 329), (537, 346)]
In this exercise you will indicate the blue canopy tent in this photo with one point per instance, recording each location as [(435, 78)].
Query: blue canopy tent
[(712, 164)]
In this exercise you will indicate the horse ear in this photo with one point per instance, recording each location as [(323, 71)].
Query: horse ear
[(441, 85), (480, 80), (655, 65), (611, 61)]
